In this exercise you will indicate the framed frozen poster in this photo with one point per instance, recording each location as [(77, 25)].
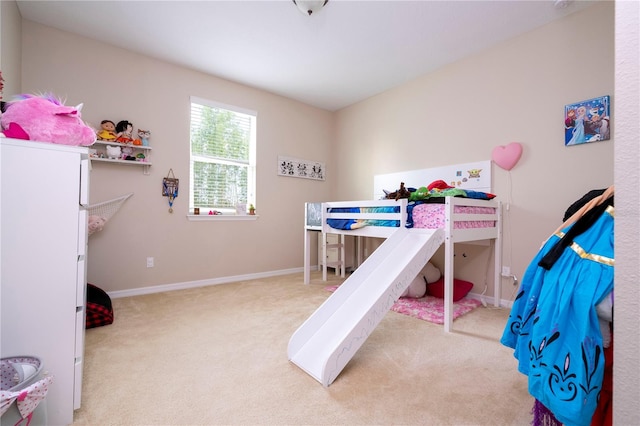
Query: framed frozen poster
[(587, 121)]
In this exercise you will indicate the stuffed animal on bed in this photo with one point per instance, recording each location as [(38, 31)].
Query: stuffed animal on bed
[(418, 287), (400, 193), (45, 119)]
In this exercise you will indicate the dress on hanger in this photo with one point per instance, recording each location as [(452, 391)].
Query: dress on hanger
[(553, 326)]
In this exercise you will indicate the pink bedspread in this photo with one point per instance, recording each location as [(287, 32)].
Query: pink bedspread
[(431, 216)]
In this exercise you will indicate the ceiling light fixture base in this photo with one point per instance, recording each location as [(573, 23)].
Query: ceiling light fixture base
[(562, 4), (309, 7)]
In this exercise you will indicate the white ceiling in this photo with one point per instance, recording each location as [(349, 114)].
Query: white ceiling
[(347, 52)]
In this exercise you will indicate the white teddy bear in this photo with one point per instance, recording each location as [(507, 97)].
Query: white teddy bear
[(418, 287)]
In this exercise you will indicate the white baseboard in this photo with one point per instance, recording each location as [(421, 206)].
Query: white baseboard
[(232, 279), (199, 283), (488, 300)]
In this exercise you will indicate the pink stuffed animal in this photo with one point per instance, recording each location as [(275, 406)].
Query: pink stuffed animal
[(45, 119), (96, 223)]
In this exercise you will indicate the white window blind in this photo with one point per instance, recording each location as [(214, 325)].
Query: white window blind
[(223, 141)]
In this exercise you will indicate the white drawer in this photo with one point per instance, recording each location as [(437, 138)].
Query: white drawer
[(85, 166), (79, 357), (80, 327), (83, 231), (77, 383), (81, 282)]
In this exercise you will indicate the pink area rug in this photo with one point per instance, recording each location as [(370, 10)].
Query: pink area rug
[(429, 308)]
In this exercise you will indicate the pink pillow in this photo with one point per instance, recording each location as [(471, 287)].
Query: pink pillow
[(460, 289)]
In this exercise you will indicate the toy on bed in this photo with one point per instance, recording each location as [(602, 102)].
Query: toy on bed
[(400, 193), (440, 189), (44, 118)]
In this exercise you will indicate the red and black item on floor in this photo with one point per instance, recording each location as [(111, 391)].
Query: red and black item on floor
[(99, 308)]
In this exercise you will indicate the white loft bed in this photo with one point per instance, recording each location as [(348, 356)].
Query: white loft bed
[(453, 223)]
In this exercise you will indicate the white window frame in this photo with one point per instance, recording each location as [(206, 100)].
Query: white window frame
[(227, 213)]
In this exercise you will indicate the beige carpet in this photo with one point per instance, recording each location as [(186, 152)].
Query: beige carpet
[(218, 355)]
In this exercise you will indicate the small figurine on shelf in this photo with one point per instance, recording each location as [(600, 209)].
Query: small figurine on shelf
[(144, 136), (252, 209), (125, 132), (127, 153), (107, 131), (114, 152)]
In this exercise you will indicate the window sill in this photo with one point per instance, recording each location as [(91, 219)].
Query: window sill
[(220, 217)]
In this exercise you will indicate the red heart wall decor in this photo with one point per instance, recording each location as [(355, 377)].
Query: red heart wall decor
[(507, 156)]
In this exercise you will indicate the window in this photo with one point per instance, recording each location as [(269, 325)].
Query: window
[(223, 157)]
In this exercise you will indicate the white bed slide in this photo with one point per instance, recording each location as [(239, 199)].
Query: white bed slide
[(329, 338)]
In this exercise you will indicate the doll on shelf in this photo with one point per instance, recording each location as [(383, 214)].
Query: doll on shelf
[(125, 132), (107, 131)]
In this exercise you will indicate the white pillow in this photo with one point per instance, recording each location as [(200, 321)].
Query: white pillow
[(431, 273), (417, 288)]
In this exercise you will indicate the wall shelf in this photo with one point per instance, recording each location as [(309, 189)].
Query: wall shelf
[(100, 154)]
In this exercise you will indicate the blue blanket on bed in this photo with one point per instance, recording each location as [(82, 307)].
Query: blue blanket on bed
[(436, 196), (360, 223)]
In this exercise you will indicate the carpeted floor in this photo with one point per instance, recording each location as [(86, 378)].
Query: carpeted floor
[(217, 355)]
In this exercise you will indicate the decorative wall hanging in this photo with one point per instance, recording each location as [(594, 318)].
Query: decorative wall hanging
[(294, 167), (507, 157), (170, 188), (587, 121)]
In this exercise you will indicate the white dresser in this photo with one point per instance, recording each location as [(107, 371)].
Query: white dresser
[(43, 228)]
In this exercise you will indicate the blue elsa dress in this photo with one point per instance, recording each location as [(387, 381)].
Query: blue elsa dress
[(578, 133), (553, 325)]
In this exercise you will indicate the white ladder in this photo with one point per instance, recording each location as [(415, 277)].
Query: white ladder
[(339, 264)]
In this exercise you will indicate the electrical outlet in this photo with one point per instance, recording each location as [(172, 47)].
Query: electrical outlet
[(149, 262), (506, 271)]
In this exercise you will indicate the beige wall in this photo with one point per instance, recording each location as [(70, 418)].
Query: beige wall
[(10, 47), (546, 166), (515, 91), (626, 368), (116, 84), (512, 92)]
